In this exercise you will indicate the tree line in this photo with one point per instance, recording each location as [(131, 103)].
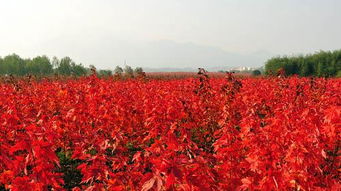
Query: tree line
[(321, 64), (44, 66)]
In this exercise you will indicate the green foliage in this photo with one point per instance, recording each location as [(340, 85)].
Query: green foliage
[(40, 66), (256, 73), (13, 64), (79, 70), (65, 67), (338, 75), (118, 70), (71, 175), (138, 70), (322, 64), (129, 71), (105, 73)]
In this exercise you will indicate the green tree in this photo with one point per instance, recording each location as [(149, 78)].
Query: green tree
[(256, 73), (105, 73), (320, 69), (2, 67), (323, 63), (39, 65), (338, 75), (118, 70), (138, 70), (306, 69), (129, 71), (79, 70), (13, 64), (273, 65), (65, 67), (55, 62)]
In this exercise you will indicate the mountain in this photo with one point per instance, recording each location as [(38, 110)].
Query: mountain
[(106, 53)]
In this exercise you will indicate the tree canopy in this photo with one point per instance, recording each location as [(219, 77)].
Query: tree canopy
[(40, 66), (322, 64), (44, 66)]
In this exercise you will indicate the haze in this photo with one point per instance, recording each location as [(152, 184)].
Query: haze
[(169, 33)]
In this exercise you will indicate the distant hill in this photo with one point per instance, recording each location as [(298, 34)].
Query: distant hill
[(154, 56)]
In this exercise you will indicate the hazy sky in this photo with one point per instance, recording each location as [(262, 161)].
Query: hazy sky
[(168, 33)]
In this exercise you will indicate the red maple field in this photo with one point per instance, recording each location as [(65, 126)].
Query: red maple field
[(179, 134)]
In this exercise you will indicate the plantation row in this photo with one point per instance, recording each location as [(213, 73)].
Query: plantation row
[(188, 134)]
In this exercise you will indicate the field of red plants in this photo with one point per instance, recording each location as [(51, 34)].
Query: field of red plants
[(181, 134)]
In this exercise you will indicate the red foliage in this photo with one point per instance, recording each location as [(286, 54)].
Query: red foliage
[(187, 134)]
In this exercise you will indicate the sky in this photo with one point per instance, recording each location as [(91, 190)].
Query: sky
[(169, 33)]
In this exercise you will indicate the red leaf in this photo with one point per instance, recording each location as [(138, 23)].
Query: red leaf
[(149, 184)]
